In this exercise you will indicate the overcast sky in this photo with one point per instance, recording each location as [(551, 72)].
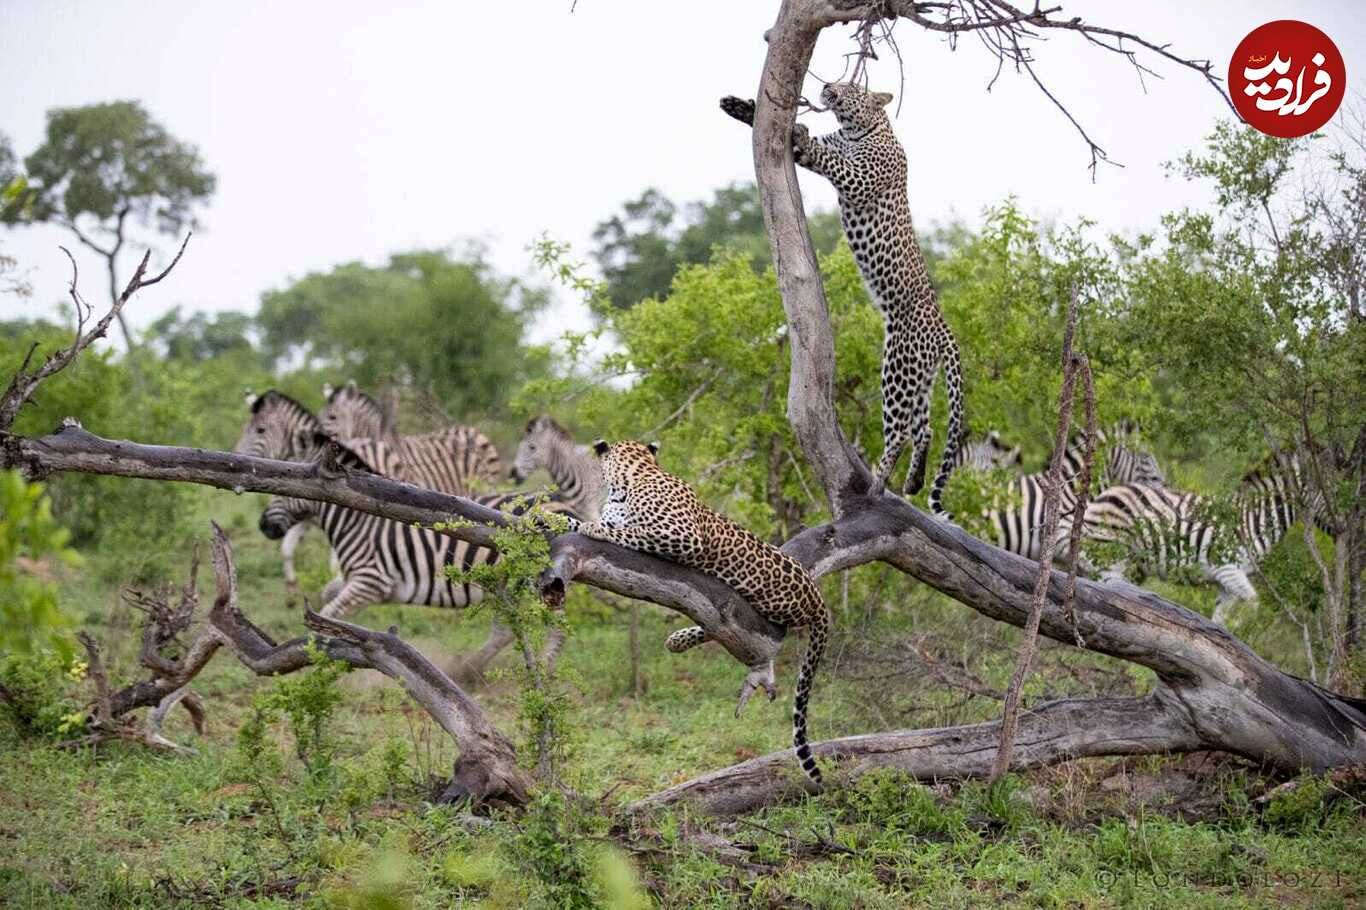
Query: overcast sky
[(350, 130)]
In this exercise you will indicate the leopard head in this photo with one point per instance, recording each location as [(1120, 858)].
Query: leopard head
[(856, 108), (626, 465)]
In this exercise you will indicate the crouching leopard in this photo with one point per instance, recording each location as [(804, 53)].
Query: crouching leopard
[(867, 166), (648, 509)]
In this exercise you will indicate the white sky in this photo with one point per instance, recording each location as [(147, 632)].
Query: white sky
[(352, 129)]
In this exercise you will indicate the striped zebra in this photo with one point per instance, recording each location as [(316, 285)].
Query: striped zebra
[(452, 461), (573, 467), (1017, 527), (1175, 527), (280, 427), (458, 459), (1162, 529), (987, 454), (386, 561)]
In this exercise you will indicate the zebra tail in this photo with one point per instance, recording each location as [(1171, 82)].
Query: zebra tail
[(815, 649), (953, 374)]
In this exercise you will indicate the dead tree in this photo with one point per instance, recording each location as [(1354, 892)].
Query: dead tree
[(1212, 691), (486, 771)]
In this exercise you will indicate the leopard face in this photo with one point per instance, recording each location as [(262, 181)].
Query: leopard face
[(630, 475), (856, 108)]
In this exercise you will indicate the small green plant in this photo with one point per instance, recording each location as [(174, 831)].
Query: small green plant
[(1302, 808), (308, 701), (510, 589), (39, 692)]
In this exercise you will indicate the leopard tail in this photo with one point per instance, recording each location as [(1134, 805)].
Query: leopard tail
[(820, 634), (953, 376)]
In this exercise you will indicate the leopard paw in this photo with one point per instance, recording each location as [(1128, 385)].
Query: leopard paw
[(738, 108)]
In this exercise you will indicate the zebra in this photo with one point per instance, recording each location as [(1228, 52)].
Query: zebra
[(280, 427), (573, 467), (385, 561), (1017, 527), (1123, 463), (1163, 528), (1268, 500), (987, 454), (458, 459)]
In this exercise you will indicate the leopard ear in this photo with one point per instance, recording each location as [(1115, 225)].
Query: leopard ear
[(882, 99), (653, 447), (600, 446)]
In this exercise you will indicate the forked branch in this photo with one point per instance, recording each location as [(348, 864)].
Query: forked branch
[(23, 383)]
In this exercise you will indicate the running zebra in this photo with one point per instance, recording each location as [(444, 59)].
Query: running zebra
[(1016, 527), (281, 428), (1161, 529), (573, 467), (457, 460), (385, 561)]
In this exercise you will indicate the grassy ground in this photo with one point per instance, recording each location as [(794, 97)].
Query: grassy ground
[(125, 827)]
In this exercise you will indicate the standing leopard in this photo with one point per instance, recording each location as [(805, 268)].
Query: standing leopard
[(650, 510), (867, 166)]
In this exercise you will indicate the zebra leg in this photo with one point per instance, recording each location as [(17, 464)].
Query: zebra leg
[(357, 591), (471, 669), (288, 545), (1234, 587)]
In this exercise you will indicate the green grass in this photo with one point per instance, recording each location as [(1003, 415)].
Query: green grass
[(125, 827)]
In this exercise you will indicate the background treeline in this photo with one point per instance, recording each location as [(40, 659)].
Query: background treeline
[(1222, 331)]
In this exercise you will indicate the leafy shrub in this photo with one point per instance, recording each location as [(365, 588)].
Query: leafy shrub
[(38, 686), (30, 542)]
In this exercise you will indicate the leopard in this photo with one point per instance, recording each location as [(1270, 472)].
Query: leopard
[(867, 166), (646, 508)]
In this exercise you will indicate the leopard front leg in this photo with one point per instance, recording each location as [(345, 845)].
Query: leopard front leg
[(739, 108), (630, 537), (807, 152)]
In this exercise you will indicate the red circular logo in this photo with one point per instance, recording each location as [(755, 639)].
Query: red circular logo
[(1287, 78)]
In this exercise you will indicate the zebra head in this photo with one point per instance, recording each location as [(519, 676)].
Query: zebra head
[(349, 413), (279, 427), (987, 454), (543, 435), (282, 513)]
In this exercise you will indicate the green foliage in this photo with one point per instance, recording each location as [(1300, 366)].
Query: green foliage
[(510, 588), (308, 701), (201, 337), (450, 328), (32, 546), (39, 697), (111, 160), (138, 528), (640, 249)]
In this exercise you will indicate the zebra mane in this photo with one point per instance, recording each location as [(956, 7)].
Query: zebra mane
[(275, 396), (340, 453), (354, 393), (546, 422)]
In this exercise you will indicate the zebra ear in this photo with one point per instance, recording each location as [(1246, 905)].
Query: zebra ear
[(251, 399), (327, 391), (351, 385), (600, 446), (653, 447)]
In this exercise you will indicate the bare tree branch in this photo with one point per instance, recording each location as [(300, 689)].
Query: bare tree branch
[(23, 383), (1007, 32)]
